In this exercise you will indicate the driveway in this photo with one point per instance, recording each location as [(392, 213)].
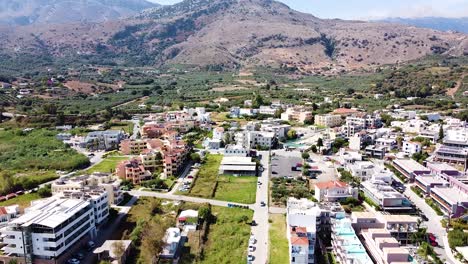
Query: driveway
[(433, 225)]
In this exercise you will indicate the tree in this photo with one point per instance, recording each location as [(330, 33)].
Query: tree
[(305, 155), (257, 101), (313, 148), (44, 192), (350, 91), (292, 134), (204, 212), (195, 157), (441, 132), (320, 143), (118, 248)]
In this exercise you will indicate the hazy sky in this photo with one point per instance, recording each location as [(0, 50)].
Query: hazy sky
[(372, 9)]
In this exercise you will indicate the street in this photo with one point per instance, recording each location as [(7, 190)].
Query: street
[(260, 231), (433, 225)]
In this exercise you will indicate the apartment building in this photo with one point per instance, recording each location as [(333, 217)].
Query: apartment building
[(280, 130), (358, 122), (334, 191), (132, 146), (7, 213), (254, 139), (95, 181), (346, 245), (427, 182), (454, 148), (383, 248), (133, 170), (103, 140), (452, 200), (50, 227), (388, 143), (385, 196), (235, 150), (328, 120), (410, 168), (266, 110), (400, 227), (366, 170), (300, 115), (411, 147)]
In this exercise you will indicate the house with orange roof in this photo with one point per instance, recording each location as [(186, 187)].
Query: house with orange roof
[(334, 191)]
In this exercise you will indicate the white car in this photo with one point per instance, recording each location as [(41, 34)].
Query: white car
[(250, 258), (251, 248), (252, 240)]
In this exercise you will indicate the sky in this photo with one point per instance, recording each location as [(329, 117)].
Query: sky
[(373, 9)]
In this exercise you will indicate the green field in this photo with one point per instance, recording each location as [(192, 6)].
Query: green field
[(228, 237), (22, 200), (125, 126), (278, 241), (237, 189), (107, 165), (206, 179), (229, 188)]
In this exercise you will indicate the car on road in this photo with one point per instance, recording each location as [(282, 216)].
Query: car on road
[(434, 243), (79, 256), (251, 248), (274, 172), (91, 155), (262, 204), (250, 258), (424, 217), (252, 240), (90, 245), (431, 237), (73, 261), (253, 223)]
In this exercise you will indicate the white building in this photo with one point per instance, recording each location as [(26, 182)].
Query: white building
[(95, 181), (50, 227), (235, 150), (385, 196), (7, 213), (411, 147), (218, 133), (172, 242), (254, 139), (334, 191), (233, 165), (266, 110)]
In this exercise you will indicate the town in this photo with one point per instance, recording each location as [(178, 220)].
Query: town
[(348, 186)]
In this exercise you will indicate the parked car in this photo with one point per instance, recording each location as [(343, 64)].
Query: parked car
[(424, 217), (431, 237), (250, 258), (73, 261), (262, 204), (79, 256), (252, 240), (251, 248), (90, 245)]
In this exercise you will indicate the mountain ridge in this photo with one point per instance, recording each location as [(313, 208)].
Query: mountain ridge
[(233, 34), (438, 23)]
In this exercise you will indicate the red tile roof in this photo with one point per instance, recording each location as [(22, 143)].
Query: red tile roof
[(344, 111), (331, 184), (299, 240)]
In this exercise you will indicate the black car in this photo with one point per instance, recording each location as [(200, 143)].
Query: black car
[(424, 217), (253, 223)]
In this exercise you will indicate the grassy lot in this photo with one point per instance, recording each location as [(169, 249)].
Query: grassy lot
[(229, 188), (228, 236), (22, 200), (237, 189), (278, 241), (107, 165), (125, 126), (206, 179)]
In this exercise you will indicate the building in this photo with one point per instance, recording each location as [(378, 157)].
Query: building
[(50, 227), (383, 248), (280, 130), (218, 133), (345, 111), (7, 213), (103, 140), (400, 227), (346, 245), (454, 148), (375, 151), (172, 243), (266, 110), (106, 252), (388, 143), (358, 122), (427, 182), (300, 115), (301, 217), (237, 166), (235, 150), (132, 146), (411, 147), (452, 201), (95, 181), (382, 194), (256, 139), (334, 191), (410, 168), (133, 170), (328, 120)]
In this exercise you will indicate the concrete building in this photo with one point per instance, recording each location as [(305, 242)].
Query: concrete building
[(411, 147), (388, 143), (133, 170), (95, 181), (254, 139), (427, 182), (103, 140), (385, 196), (452, 201), (346, 245), (400, 227), (236, 150), (410, 168), (50, 227), (266, 110), (300, 115), (383, 248), (172, 243), (7, 213), (334, 191), (328, 120), (106, 252), (218, 133)]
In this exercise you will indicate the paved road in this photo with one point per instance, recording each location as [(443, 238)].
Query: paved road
[(433, 225), (183, 198), (136, 128), (260, 231)]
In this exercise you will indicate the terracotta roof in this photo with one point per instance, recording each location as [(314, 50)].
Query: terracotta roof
[(344, 111), (3, 211), (295, 240), (331, 184)]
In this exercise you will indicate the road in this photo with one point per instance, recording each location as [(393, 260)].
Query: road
[(136, 128), (433, 225), (260, 231)]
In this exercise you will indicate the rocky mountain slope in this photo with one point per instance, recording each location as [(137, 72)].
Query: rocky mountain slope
[(26, 12), (235, 34)]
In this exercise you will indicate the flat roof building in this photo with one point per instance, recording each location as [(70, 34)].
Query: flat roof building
[(238, 166), (410, 168), (385, 196)]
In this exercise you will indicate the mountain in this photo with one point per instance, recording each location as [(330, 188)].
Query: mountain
[(437, 23), (233, 34), (26, 12)]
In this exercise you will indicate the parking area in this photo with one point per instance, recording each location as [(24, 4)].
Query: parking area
[(282, 166)]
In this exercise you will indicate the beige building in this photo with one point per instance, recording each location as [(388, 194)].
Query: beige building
[(328, 120)]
